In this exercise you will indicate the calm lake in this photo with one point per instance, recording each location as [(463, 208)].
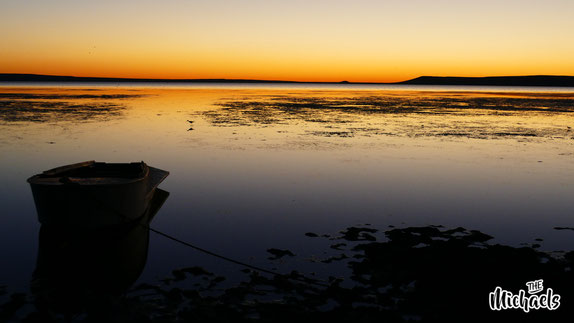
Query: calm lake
[(260, 166)]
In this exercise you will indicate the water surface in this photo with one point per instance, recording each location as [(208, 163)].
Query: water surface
[(262, 165)]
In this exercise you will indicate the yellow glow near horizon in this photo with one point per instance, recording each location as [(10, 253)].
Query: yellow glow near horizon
[(362, 40)]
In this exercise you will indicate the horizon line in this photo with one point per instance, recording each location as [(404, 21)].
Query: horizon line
[(569, 80)]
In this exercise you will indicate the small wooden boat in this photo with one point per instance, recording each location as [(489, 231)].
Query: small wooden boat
[(92, 194)]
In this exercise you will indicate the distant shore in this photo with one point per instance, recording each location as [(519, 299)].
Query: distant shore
[(530, 80)]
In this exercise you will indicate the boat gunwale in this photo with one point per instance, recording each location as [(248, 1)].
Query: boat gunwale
[(35, 179)]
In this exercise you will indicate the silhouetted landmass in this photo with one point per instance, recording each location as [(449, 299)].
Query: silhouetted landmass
[(531, 80), (65, 79)]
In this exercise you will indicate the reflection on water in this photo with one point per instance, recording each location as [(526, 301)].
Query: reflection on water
[(79, 269)]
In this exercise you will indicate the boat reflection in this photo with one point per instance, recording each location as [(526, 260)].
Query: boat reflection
[(79, 269)]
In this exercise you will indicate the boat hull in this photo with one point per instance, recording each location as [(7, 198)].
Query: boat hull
[(93, 202)]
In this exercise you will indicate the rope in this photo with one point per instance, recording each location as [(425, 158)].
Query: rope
[(187, 244), (310, 281)]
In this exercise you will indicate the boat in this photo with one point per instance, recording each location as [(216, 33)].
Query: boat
[(90, 195)]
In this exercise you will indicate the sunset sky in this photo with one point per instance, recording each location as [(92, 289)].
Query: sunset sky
[(310, 40)]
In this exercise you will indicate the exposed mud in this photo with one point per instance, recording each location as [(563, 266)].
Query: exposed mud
[(40, 108), (12, 111), (478, 115)]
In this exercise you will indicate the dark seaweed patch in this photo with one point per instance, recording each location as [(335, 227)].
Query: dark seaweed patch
[(34, 96), (348, 111), (279, 253), (431, 274), (56, 111)]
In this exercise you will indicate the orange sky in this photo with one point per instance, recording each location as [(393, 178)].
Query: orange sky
[(321, 40)]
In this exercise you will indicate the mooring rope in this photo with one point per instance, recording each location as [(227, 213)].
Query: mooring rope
[(211, 253), (306, 280)]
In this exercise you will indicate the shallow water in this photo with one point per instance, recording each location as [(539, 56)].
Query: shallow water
[(261, 166)]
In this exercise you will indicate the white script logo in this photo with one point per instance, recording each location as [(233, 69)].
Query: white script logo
[(502, 299)]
